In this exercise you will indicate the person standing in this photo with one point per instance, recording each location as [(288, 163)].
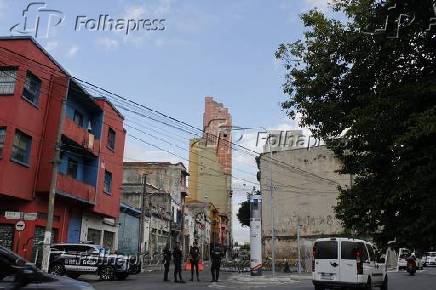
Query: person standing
[(167, 261), (178, 258), (216, 255), (195, 259)]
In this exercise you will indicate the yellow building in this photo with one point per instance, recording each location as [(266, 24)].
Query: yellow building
[(210, 166)]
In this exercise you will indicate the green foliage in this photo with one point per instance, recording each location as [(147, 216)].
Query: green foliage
[(244, 214), (372, 97)]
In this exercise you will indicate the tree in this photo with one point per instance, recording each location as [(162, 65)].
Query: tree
[(244, 214), (367, 86)]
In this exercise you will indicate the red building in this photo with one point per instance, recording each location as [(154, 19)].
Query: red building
[(32, 87)]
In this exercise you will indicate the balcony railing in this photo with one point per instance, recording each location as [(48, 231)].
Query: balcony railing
[(75, 189), (81, 136)]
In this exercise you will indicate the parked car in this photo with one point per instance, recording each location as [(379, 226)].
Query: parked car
[(17, 273), (429, 259), (78, 259), (405, 253), (347, 263)]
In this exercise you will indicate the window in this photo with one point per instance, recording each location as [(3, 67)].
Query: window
[(31, 88), (94, 236), (21, 147), (349, 250), (107, 181), (72, 168), (7, 80), (111, 138), (371, 252), (2, 140), (78, 118), (326, 250), (108, 239)]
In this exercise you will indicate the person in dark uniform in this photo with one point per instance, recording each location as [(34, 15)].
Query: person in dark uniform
[(195, 259), (178, 258), (216, 255), (167, 261)]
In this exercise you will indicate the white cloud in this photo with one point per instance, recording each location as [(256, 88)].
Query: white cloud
[(72, 51), (50, 46), (108, 43), (320, 4), (136, 151), (158, 9)]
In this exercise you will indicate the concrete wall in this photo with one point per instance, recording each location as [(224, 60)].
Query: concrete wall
[(300, 198)]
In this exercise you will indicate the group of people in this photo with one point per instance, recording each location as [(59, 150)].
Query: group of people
[(195, 257)]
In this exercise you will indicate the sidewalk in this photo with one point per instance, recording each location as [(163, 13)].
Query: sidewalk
[(267, 278)]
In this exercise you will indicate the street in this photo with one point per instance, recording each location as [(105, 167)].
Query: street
[(424, 280)]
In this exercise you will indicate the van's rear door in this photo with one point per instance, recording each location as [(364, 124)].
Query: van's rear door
[(326, 261), (348, 267)]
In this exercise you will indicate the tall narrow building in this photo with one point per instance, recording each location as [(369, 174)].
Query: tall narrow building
[(210, 166)]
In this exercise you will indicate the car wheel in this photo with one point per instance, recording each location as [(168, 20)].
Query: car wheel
[(122, 276), (384, 286), (107, 273), (57, 269)]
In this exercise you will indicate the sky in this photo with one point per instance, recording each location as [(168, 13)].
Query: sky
[(224, 49)]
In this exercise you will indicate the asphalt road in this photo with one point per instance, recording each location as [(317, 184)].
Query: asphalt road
[(424, 280)]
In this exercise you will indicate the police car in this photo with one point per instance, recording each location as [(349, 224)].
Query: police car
[(77, 259)]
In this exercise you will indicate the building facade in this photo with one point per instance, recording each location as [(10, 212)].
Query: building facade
[(210, 164), (32, 87), (166, 190), (300, 198), (200, 226)]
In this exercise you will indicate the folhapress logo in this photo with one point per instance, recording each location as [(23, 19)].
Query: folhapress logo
[(38, 20)]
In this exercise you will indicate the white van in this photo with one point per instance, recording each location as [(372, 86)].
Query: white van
[(344, 262), (429, 259)]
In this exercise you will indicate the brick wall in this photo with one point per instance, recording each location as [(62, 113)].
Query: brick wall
[(217, 124)]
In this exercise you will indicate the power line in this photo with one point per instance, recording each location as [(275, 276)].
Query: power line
[(247, 150)]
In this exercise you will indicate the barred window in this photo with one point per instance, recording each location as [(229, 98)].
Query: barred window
[(8, 78), (21, 147), (31, 88), (111, 138), (2, 140), (107, 181)]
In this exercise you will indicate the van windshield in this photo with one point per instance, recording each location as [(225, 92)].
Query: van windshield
[(326, 250)]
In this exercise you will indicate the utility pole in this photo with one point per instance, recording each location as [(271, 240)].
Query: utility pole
[(273, 248), (182, 226), (53, 183), (141, 248)]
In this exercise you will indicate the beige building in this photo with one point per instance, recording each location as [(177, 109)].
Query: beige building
[(166, 192), (303, 197)]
